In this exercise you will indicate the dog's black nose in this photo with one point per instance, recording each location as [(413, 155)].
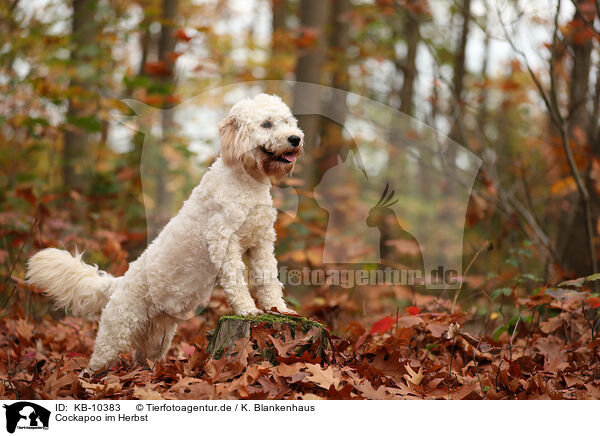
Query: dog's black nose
[(294, 140)]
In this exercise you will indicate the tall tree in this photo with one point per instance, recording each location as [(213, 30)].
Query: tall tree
[(458, 77), (313, 19), (166, 57), (579, 118), (339, 45), (405, 30), (84, 43), (408, 64), (337, 59), (278, 38)]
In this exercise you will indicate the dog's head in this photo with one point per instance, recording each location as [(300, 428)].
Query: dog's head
[(261, 136)]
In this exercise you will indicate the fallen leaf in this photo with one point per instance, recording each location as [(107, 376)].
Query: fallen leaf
[(146, 394), (414, 377), (412, 310), (324, 378), (383, 325)]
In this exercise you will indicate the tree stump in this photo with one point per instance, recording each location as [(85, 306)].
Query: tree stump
[(230, 328)]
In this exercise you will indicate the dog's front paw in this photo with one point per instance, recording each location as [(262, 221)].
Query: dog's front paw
[(250, 312), (288, 311), (282, 310), (279, 307)]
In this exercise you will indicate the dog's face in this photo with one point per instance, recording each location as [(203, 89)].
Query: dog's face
[(262, 136)]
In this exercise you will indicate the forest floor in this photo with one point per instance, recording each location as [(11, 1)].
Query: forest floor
[(421, 353)]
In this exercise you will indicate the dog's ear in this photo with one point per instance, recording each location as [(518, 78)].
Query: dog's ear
[(235, 140), (228, 131)]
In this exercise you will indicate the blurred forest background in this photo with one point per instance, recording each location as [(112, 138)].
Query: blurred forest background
[(516, 82)]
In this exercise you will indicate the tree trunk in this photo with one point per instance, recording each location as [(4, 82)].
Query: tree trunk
[(279, 15), (133, 194), (332, 140), (313, 17), (339, 44), (166, 48), (576, 259), (408, 65), (230, 328), (594, 128), (483, 94), (76, 153), (406, 29), (579, 89), (276, 69), (459, 73)]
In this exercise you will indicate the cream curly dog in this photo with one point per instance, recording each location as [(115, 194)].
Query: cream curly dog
[(228, 218)]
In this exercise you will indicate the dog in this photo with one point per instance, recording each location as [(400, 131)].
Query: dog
[(228, 219)]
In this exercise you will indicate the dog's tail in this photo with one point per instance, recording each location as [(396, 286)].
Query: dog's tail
[(69, 281)]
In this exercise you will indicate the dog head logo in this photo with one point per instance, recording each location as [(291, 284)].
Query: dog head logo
[(26, 415), (430, 176), (407, 211), (347, 239)]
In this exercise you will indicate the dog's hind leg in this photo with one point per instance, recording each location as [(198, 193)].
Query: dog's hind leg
[(154, 343), (119, 325)]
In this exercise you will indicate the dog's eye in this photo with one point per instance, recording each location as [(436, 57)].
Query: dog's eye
[(267, 124)]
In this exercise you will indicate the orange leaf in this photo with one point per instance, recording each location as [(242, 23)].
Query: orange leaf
[(412, 310), (182, 35), (593, 301), (153, 99), (172, 99), (173, 55), (26, 193), (160, 68), (383, 325), (307, 38)]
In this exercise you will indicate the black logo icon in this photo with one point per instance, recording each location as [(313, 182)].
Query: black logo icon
[(26, 415)]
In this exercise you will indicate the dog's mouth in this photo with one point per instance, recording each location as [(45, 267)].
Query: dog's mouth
[(286, 158)]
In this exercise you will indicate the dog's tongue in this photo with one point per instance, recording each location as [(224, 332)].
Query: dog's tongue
[(290, 157)]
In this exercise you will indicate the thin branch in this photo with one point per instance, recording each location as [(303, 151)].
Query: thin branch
[(526, 188), (477, 369), (509, 204), (450, 367), (553, 88), (552, 105), (513, 336), (498, 372), (9, 297), (529, 334), (467, 269)]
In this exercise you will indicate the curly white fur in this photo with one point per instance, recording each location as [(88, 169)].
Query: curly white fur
[(69, 281), (228, 217)]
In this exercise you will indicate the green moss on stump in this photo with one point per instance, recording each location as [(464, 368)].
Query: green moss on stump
[(273, 318), (230, 328)]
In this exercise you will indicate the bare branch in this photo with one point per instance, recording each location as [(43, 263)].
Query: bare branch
[(552, 105)]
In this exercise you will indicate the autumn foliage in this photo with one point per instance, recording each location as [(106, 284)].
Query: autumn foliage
[(524, 323), (552, 354)]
